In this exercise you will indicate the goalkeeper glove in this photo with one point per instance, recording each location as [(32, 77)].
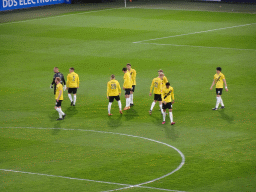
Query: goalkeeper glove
[(51, 86), (64, 88)]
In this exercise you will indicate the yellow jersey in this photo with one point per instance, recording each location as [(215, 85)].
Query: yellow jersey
[(218, 78), (72, 80), (164, 81), (127, 81), (168, 94), (132, 73), (113, 88), (59, 88), (157, 85)]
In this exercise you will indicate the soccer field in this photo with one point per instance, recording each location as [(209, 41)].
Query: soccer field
[(89, 151)]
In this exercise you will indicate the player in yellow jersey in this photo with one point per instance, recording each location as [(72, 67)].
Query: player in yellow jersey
[(164, 80), (218, 79), (127, 87), (132, 73), (59, 98), (113, 92), (72, 85), (168, 100), (157, 85)]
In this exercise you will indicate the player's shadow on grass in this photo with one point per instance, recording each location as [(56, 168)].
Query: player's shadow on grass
[(130, 114), (114, 121), (71, 111), (170, 131), (229, 119), (157, 118), (57, 125)]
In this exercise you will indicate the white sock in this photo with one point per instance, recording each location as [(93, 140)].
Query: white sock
[(119, 105), (164, 114), (109, 107), (171, 117), (74, 99), (127, 102), (217, 102), (70, 97), (131, 98), (161, 108), (59, 111), (152, 106), (221, 102)]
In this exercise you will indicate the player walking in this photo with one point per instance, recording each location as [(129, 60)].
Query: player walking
[(132, 73), (218, 79), (168, 100), (72, 85), (59, 98), (127, 87), (61, 76), (157, 85), (113, 92)]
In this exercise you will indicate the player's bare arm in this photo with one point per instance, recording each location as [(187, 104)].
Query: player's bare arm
[(226, 86), (213, 83), (59, 95)]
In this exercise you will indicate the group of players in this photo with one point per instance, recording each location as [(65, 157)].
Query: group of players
[(163, 92)]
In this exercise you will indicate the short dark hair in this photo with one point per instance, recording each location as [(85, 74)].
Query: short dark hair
[(218, 68), (124, 69), (72, 68), (112, 76), (167, 84), (58, 79), (129, 64)]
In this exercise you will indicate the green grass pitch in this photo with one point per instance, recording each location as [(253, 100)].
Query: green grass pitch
[(80, 153)]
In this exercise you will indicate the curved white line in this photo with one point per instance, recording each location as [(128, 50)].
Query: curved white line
[(123, 134)]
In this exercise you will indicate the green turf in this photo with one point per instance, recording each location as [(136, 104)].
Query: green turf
[(219, 146)]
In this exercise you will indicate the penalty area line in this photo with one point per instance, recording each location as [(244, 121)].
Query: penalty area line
[(197, 46), (198, 32)]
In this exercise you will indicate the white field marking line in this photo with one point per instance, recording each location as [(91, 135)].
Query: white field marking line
[(40, 18), (63, 177), (199, 46), (122, 134), (198, 32), (169, 9)]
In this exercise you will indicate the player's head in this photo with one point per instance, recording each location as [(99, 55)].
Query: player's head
[(161, 75), (124, 69), (56, 69), (218, 69), (112, 76), (57, 80), (167, 85), (71, 69), (160, 71), (129, 66)]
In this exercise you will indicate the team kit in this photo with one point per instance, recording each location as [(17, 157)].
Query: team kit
[(160, 87)]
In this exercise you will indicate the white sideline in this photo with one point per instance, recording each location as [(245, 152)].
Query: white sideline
[(122, 134), (197, 46), (198, 32), (40, 18)]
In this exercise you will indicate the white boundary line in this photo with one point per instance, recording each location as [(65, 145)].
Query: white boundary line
[(64, 15), (198, 32), (175, 45), (122, 134)]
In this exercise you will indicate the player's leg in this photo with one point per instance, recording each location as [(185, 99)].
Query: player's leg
[(153, 105), (221, 103), (218, 98), (170, 114), (131, 95), (69, 95), (109, 108), (164, 114), (161, 106), (127, 98), (119, 104), (58, 109), (74, 95)]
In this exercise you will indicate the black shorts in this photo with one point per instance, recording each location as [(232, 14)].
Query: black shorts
[(111, 98), (167, 105), (58, 103), (157, 97), (219, 91), (127, 91), (133, 88), (72, 90)]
